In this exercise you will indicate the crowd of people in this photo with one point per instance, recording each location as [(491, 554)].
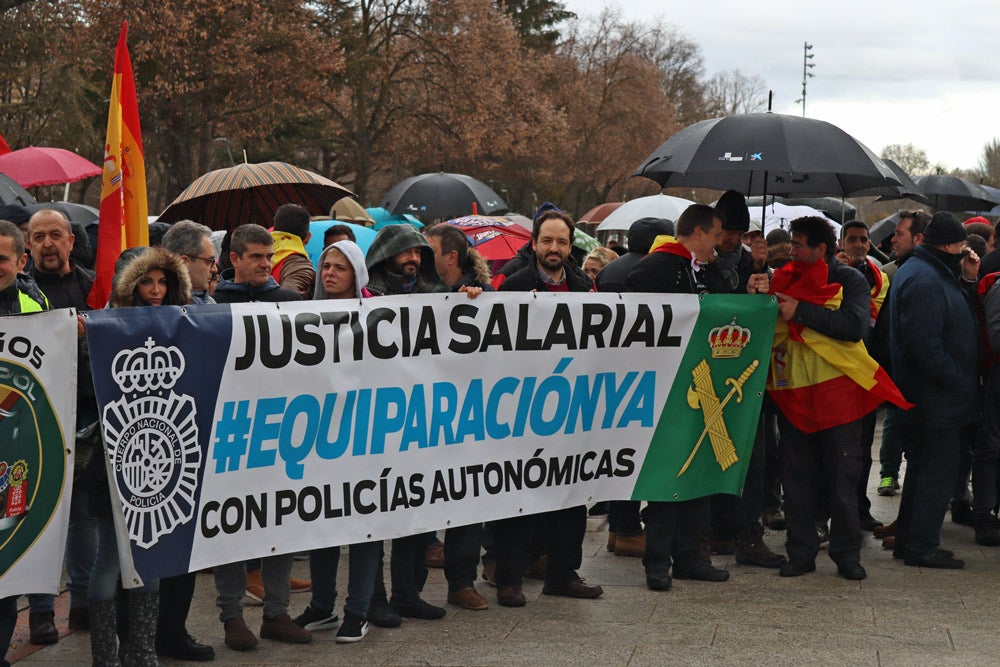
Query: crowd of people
[(853, 335)]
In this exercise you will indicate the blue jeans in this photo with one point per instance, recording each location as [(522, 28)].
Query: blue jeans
[(81, 550), (107, 570), (231, 584), (363, 561)]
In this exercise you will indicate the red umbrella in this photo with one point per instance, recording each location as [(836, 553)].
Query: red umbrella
[(601, 211), (38, 165), (494, 237)]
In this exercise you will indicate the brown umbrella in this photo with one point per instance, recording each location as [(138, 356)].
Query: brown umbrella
[(349, 210), (599, 212), (227, 198)]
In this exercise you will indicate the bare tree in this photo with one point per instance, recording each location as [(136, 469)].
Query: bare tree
[(734, 92), (911, 159), (989, 163)]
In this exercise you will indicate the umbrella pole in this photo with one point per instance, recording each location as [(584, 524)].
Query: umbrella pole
[(66, 192)]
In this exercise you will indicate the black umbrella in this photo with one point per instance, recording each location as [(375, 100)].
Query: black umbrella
[(762, 153), (74, 212), (443, 196), (951, 193), (12, 193), (907, 189)]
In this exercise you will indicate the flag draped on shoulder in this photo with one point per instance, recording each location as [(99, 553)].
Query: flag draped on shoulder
[(123, 221), (819, 382)]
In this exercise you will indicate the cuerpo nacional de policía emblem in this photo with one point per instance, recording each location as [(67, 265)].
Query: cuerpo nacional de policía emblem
[(152, 440)]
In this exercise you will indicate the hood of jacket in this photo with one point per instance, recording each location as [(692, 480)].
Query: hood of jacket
[(128, 277), (392, 240), (354, 255)]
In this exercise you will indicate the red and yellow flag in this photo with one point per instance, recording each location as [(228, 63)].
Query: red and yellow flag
[(816, 381), (123, 221)]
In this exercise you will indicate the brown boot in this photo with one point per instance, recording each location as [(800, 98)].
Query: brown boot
[(631, 545), (882, 532), (751, 549), (283, 629), (612, 538), (238, 635)]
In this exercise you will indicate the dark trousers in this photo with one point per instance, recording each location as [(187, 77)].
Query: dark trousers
[(563, 530), (987, 452), (932, 464), (407, 566), (623, 518), (771, 497), (461, 555), (829, 462), (890, 454), (867, 439), (673, 534), (175, 603), (731, 515), (8, 619)]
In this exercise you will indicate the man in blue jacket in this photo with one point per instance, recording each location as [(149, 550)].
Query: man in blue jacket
[(934, 343)]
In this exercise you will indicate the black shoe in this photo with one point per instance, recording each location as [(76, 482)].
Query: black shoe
[(869, 523), (987, 532), (852, 571), (42, 628), (937, 560), (417, 608), (353, 629), (796, 568), (658, 582), (184, 648), (702, 571), (382, 615), (961, 513)]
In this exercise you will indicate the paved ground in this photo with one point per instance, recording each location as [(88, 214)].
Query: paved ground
[(899, 616)]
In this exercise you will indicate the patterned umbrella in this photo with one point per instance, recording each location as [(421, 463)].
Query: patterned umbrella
[(494, 237), (227, 198), (37, 165)]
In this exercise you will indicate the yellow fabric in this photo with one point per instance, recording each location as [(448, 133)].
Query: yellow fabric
[(660, 240), (286, 244), (818, 358), (28, 305)]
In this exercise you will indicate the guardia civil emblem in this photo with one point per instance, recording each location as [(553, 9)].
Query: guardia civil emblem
[(152, 440), (725, 342)]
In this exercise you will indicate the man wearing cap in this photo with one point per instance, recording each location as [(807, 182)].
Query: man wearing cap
[(734, 260), (934, 346)]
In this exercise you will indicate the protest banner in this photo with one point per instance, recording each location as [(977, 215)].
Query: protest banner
[(236, 431), (37, 448)]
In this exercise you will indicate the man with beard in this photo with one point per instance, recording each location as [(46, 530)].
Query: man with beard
[(734, 261), (564, 529), (401, 261)]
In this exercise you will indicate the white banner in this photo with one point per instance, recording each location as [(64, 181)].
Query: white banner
[(37, 446)]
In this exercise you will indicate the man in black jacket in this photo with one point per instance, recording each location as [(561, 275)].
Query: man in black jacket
[(552, 241), (684, 266)]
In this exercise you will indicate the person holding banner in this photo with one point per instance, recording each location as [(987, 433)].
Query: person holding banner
[(563, 530), (143, 277), (342, 275), (674, 529), (401, 261)]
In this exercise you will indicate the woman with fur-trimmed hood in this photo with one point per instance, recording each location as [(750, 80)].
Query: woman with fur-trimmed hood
[(152, 277)]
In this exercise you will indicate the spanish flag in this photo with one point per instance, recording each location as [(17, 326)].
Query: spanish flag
[(123, 221), (816, 381)]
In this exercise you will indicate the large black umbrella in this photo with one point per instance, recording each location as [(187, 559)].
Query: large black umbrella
[(907, 189), (767, 153), (951, 193), (443, 196), (12, 193)]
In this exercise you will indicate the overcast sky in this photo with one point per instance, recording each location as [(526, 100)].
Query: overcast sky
[(886, 71)]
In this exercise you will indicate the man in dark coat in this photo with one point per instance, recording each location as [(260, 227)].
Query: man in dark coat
[(400, 261), (935, 361), (641, 235), (674, 529), (551, 240), (251, 251)]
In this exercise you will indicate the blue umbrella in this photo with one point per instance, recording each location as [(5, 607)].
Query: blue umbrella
[(382, 217), (364, 236)]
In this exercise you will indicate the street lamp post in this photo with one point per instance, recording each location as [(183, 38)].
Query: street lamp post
[(806, 74)]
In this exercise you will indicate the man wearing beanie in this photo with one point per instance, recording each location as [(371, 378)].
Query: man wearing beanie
[(934, 346), (735, 261)]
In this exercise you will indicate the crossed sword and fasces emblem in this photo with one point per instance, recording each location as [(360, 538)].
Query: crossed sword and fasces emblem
[(703, 396)]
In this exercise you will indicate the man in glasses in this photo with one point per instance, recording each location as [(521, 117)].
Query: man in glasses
[(192, 242)]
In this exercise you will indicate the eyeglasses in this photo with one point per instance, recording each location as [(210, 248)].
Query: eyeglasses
[(209, 261)]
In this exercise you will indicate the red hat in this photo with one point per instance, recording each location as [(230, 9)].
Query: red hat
[(978, 218)]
